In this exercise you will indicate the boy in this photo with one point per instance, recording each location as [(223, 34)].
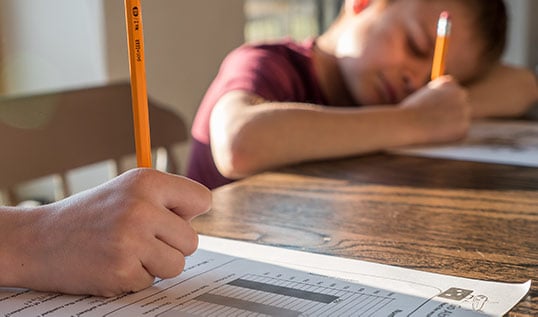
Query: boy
[(361, 86)]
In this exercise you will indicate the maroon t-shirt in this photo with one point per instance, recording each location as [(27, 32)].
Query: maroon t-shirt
[(281, 71)]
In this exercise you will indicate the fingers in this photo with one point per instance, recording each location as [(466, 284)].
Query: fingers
[(448, 84), (185, 197), (174, 239), (175, 202), (136, 280), (163, 260), (176, 232), (156, 253), (162, 206), (440, 81), (115, 279)]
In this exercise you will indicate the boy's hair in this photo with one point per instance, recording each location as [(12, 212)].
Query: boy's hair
[(491, 20)]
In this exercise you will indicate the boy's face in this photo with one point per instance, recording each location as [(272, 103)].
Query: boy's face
[(385, 52)]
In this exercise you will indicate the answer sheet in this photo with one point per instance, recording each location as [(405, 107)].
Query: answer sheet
[(489, 141), (232, 278)]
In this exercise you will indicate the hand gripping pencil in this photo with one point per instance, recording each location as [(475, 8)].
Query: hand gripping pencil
[(135, 42), (441, 45)]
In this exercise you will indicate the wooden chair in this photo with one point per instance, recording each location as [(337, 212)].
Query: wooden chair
[(51, 134)]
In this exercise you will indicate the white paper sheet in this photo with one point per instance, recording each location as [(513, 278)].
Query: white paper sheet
[(231, 278), (502, 142)]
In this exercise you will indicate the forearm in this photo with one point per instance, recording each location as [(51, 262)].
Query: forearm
[(299, 134), (271, 135), (249, 135), (504, 92)]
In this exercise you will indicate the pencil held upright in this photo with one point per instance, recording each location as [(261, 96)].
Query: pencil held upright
[(137, 68), (441, 45)]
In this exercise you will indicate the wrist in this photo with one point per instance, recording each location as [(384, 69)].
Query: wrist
[(410, 130), (19, 228)]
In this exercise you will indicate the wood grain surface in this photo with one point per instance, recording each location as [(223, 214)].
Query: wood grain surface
[(459, 218)]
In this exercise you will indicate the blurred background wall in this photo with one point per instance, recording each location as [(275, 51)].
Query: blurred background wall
[(523, 33), (61, 44)]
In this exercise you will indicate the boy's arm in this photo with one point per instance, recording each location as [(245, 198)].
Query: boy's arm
[(249, 135), (506, 91)]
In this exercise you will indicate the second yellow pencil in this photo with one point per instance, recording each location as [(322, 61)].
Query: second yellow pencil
[(441, 45)]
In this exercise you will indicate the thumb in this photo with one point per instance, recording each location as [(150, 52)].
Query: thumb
[(441, 81)]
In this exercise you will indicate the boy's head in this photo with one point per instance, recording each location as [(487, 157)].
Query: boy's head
[(385, 47), (490, 24)]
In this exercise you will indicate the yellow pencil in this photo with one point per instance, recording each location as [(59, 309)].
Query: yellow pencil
[(137, 68), (441, 45)]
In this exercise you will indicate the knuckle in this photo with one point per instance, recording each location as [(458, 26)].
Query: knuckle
[(119, 255), (108, 292), (134, 213), (138, 284), (138, 178), (127, 277)]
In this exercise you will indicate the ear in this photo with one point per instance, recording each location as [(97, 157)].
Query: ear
[(359, 5)]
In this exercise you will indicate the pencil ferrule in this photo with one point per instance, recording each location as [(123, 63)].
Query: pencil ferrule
[(443, 27)]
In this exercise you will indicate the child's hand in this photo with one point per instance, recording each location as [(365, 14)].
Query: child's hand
[(440, 111), (114, 238)]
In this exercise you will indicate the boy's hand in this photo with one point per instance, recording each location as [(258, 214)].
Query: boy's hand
[(114, 238), (440, 111)]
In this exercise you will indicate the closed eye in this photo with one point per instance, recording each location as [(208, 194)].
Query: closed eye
[(416, 50)]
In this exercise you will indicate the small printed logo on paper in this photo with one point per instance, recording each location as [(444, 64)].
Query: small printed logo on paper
[(455, 293)]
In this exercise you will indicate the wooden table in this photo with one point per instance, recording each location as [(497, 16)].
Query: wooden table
[(466, 219)]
